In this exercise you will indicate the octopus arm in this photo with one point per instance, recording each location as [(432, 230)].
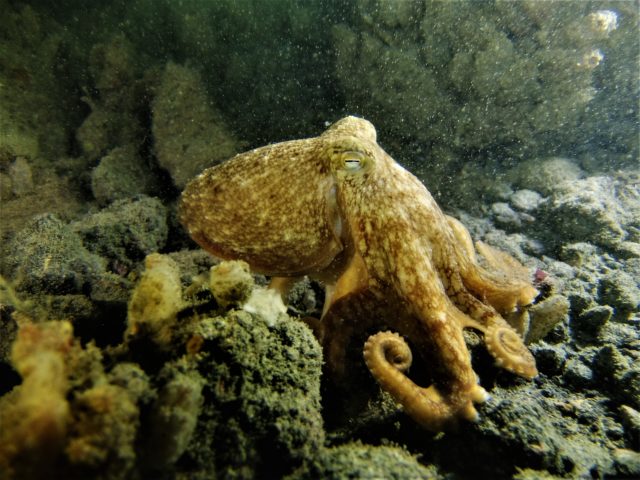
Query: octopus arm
[(504, 284), (388, 356)]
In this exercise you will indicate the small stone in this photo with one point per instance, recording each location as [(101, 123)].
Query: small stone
[(609, 363), (231, 282), (577, 373), (546, 315), (591, 320), (525, 200), (549, 358), (504, 215), (577, 254), (121, 174), (627, 462), (21, 178), (631, 424), (629, 387), (620, 290)]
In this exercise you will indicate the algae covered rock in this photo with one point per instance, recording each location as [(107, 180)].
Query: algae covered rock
[(106, 422), (262, 414), (118, 98), (469, 75), (67, 415), (592, 208), (173, 416), (156, 300), (544, 174), (565, 434), (126, 231), (48, 256), (356, 460), (38, 104), (189, 132), (121, 173), (34, 417), (230, 282)]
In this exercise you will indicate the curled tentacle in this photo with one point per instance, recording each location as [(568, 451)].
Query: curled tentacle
[(509, 350), (387, 356), (390, 345)]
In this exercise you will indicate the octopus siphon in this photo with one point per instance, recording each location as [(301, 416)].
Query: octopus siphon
[(339, 209)]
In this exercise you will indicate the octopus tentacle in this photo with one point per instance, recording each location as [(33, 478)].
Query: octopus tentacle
[(388, 356), (504, 285), (510, 352), (501, 339)]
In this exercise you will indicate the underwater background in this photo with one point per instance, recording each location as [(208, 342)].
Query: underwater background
[(520, 117)]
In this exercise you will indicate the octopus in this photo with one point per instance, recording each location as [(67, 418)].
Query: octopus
[(339, 209)]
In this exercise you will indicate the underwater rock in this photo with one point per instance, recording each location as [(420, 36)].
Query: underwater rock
[(156, 300), (578, 374), (627, 462), (38, 101), (173, 416), (578, 254), (356, 460), (67, 418), (189, 132), (550, 358), (628, 387), (505, 216), (95, 134), (590, 321), (106, 421), (621, 291), (546, 315), (450, 61), (120, 94), (610, 367), (194, 264), (34, 416), (597, 208), (231, 282), (47, 256), (563, 433), (126, 231), (525, 200), (262, 415), (631, 423), (120, 174), (5, 187), (21, 177), (106, 417), (544, 174)]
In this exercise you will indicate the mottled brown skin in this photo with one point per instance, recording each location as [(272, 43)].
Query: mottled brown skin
[(338, 208)]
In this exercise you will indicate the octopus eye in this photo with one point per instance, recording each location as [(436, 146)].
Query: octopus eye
[(353, 161)]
